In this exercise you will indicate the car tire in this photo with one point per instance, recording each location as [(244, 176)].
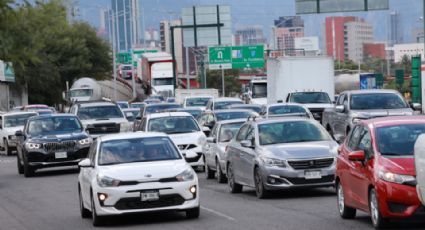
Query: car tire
[(6, 148), (208, 172), (28, 169), (85, 213), (378, 221), (19, 165), (260, 190), (344, 211), (221, 178), (97, 220), (193, 213), (233, 186)]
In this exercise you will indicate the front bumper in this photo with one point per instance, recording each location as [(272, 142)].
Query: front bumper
[(398, 201), (276, 178), (127, 199), (41, 159)]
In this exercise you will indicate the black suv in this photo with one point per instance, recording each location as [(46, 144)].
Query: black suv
[(50, 141)]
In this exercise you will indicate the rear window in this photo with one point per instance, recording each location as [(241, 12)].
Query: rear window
[(233, 115)]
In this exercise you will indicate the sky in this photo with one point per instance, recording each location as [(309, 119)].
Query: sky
[(264, 12)]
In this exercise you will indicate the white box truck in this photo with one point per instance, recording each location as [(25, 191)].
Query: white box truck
[(306, 80), (157, 71), (195, 97)]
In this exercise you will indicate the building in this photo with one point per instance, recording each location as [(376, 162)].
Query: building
[(126, 23), (284, 32), (418, 35), (395, 35), (165, 41), (344, 37), (309, 45), (249, 35), (151, 38), (374, 50), (409, 50)]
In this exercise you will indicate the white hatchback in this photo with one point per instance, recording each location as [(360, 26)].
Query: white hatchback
[(133, 173)]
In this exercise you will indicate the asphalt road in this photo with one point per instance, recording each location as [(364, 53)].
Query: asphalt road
[(50, 201)]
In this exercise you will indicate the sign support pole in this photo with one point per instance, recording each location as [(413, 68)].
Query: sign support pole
[(222, 82)]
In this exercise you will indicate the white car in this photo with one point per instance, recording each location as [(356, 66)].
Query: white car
[(183, 130), (9, 124), (196, 101), (222, 103), (420, 167), (135, 173)]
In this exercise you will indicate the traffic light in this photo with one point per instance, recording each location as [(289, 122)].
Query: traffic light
[(416, 79)]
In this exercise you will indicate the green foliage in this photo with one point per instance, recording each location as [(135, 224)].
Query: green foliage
[(405, 88), (231, 82), (47, 51)]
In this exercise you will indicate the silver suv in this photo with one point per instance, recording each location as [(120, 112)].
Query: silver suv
[(280, 153)]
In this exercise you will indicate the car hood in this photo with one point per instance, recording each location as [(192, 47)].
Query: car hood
[(58, 137), (366, 114), (12, 130), (187, 138), (304, 150), (141, 171), (399, 165), (103, 121), (319, 106)]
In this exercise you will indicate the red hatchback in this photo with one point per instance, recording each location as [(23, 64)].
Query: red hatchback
[(376, 171)]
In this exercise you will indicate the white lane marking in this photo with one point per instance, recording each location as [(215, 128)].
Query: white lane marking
[(218, 213)]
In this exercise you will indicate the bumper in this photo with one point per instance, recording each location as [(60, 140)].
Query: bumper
[(286, 178), (44, 160), (398, 201), (127, 199), (194, 156)]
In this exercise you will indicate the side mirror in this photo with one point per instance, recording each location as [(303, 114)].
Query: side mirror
[(357, 156), (86, 163), (246, 143), (339, 108), (211, 139), (416, 106), (19, 133)]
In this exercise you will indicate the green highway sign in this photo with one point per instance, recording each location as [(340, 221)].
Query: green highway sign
[(125, 57), (236, 57)]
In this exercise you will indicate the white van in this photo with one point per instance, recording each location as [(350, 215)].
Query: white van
[(420, 166)]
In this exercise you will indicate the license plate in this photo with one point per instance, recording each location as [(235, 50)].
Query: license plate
[(149, 195), (313, 175), (60, 155)]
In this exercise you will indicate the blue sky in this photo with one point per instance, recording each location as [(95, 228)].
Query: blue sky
[(256, 12)]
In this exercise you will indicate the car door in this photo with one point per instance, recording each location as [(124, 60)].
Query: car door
[(236, 153), (248, 157), (87, 173), (2, 132), (341, 118), (209, 148)]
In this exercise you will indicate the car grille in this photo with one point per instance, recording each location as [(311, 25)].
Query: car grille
[(193, 159), (50, 157), (317, 113), (136, 203), (311, 164), (103, 128), (186, 147), (303, 181), (63, 146)]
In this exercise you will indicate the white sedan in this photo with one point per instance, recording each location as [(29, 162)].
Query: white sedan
[(133, 173)]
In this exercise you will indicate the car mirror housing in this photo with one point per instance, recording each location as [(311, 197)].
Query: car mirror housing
[(86, 163), (339, 108), (416, 106), (357, 156), (246, 143), (211, 139)]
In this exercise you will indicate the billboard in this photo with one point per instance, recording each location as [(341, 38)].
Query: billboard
[(330, 6), (6, 72), (307, 43)]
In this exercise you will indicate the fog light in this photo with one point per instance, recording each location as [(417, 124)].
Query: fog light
[(193, 189), (102, 196), (272, 180)]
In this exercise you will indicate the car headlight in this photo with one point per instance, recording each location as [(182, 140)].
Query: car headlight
[(396, 178), (272, 162), (202, 140), (30, 145), (186, 175), (105, 181), (86, 141), (125, 127)]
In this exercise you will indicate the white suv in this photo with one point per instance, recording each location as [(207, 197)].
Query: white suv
[(183, 130), (100, 118), (9, 124), (133, 173)]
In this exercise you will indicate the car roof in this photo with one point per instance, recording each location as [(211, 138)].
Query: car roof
[(244, 105), (367, 91), (53, 115), (186, 109), (283, 104), (17, 113), (130, 109), (162, 104), (199, 96), (130, 135), (394, 120), (168, 114), (226, 99), (223, 122), (95, 104), (231, 110), (280, 119), (35, 106)]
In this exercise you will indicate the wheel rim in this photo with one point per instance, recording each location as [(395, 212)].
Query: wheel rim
[(258, 183), (341, 204), (374, 212)]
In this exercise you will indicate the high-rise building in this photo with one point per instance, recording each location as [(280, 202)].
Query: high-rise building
[(395, 35), (249, 35), (126, 23), (285, 31), (335, 36), (165, 41), (374, 50)]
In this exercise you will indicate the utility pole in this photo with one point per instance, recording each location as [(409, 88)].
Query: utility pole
[(187, 68), (114, 66), (222, 82), (133, 81)]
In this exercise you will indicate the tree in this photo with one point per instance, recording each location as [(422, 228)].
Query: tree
[(231, 81)]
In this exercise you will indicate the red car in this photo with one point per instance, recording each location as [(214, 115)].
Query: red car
[(376, 170)]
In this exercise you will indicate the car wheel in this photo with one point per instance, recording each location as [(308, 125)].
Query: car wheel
[(28, 169), (233, 186), (378, 221), (221, 178), (97, 220), (193, 213), (208, 172), (20, 166), (260, 190), (85, 213), (344, 211), (7, 149)]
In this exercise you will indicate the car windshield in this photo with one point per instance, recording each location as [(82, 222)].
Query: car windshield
[(123, 105), (225, 104), (286, 109), (291, 132), (52, 125), (137, 150), (259, 90), (398, 140), (137, 105), (228, 131), (126, 67), (99, 112), (158, 97), (366, 101), (233, 115), (310, 98), (160, 107), (256, 109), (17, 120), (172, 125), (162, 81), (81, 92), (197, 102), (134, 112)]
